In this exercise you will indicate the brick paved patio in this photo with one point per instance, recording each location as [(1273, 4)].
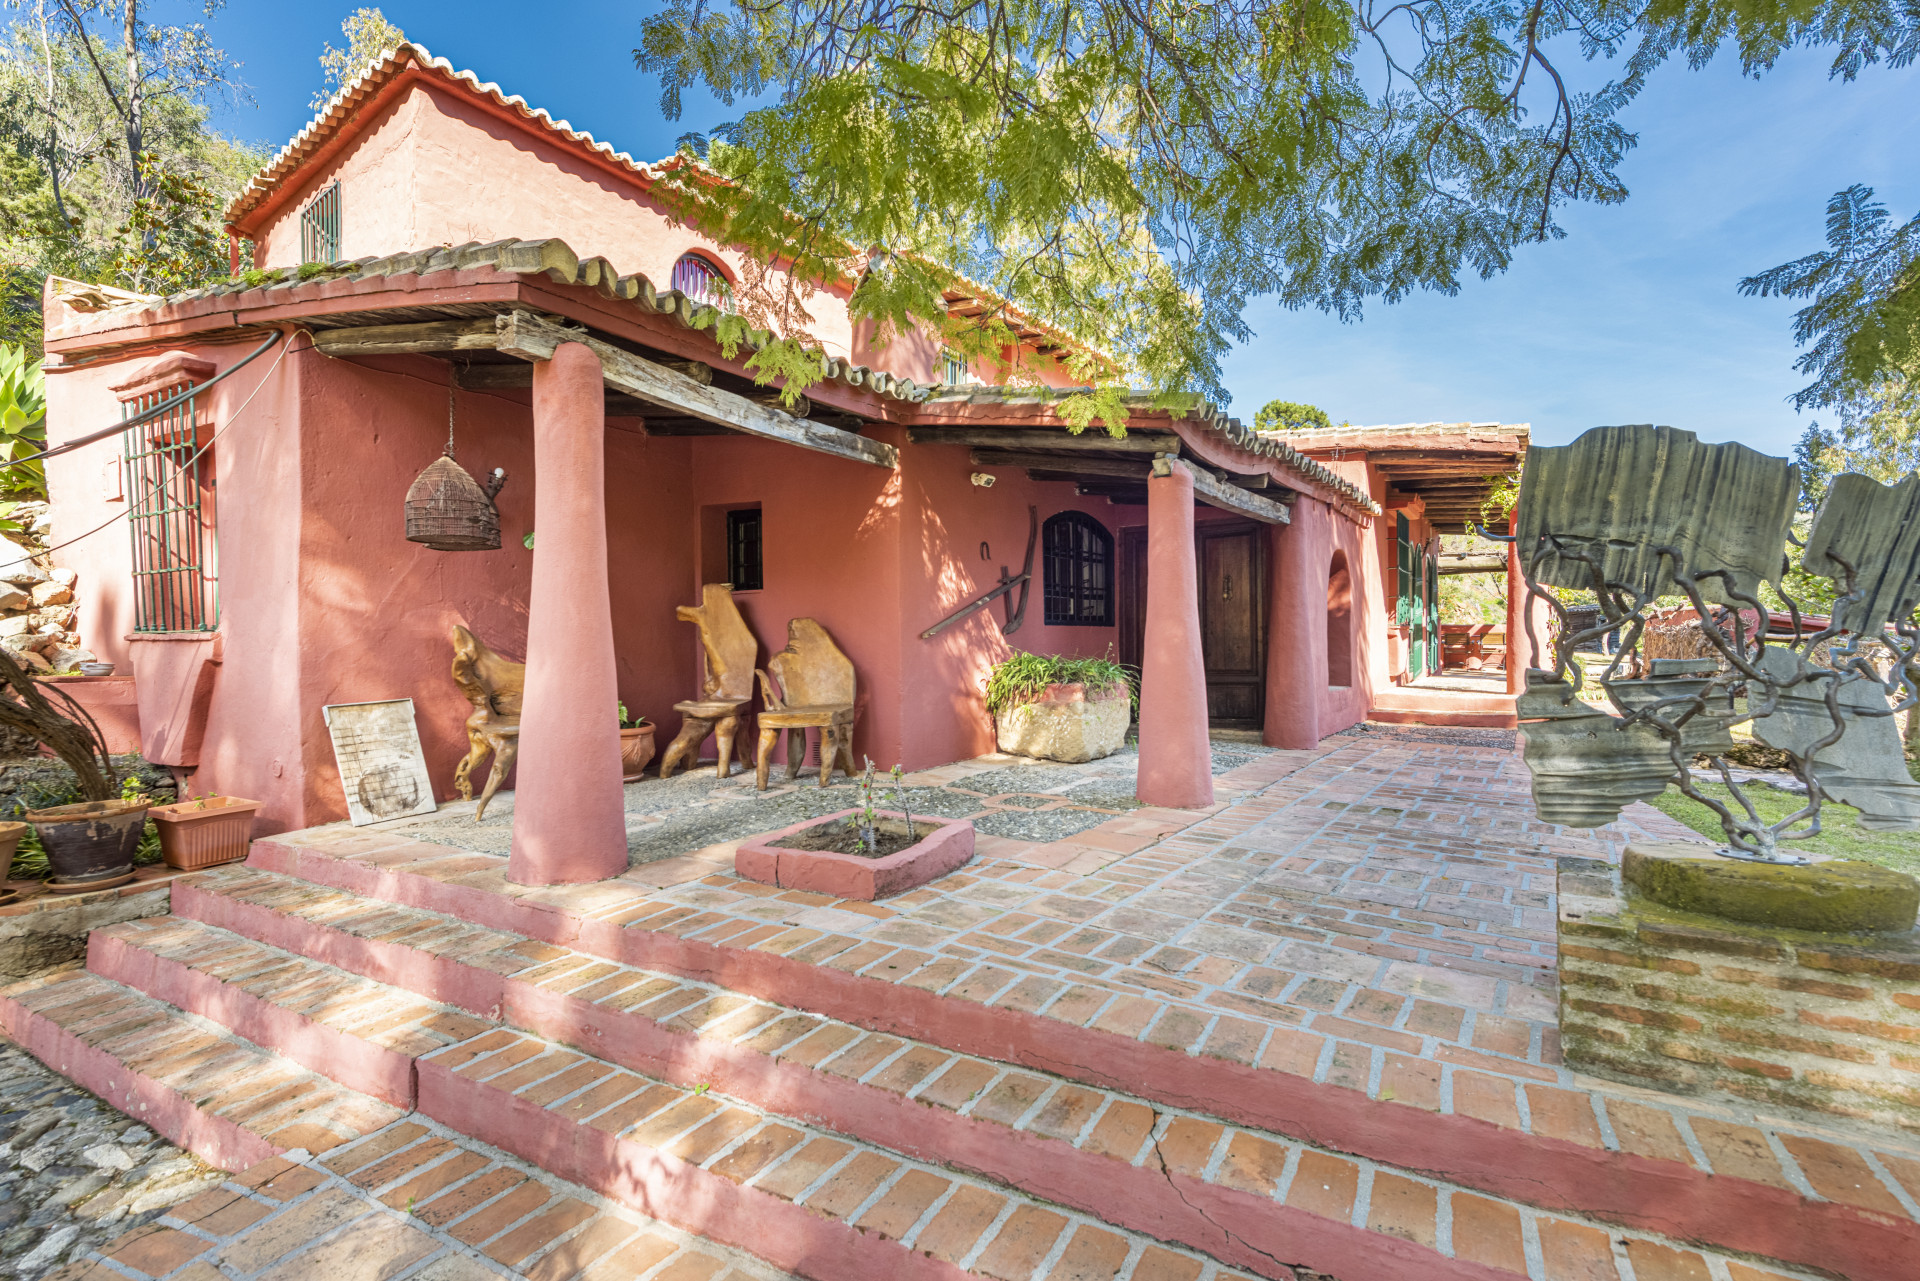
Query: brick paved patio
[(1324, 1013)]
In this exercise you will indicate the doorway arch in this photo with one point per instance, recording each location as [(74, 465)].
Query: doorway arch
[(1339, 622)]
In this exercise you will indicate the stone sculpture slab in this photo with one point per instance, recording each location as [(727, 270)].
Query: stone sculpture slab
[(1866, 768), (1623, 492), (1876, 529)]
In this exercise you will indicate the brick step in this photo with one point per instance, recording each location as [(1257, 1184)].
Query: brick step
[(411, 1202), (1243, 1195), (361, 1033), (1739, 1180), (221, 1097)]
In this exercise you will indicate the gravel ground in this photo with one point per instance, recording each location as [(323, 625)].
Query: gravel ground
[(74, 1172), (1499, 740), (694, 809)]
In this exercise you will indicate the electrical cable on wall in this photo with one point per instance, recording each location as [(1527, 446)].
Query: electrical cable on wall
[(159, 490), (147, 415)]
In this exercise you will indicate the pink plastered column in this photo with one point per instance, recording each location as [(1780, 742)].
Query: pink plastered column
[(1176, 765), (568, 823), (1296, 628), (1522, 653)]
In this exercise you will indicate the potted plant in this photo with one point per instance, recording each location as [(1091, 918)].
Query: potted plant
[(636, 744), (90, 844), (1060, 709), (205, 831)]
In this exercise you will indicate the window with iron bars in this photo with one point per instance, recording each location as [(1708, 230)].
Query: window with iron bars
[(1078, 571), (320, 227), (701, 281), (173, 584)]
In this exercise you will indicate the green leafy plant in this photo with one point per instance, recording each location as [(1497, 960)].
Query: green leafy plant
[(630, 722), (23, 431), (1023, 677)]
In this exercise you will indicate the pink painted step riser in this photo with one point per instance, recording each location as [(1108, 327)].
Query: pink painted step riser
[(1664, 1197), (1215, 1220), (349, 1060), (213, 1139), (671, 1190)]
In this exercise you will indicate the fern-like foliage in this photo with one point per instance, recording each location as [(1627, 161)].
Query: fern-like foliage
[(1863, 324)]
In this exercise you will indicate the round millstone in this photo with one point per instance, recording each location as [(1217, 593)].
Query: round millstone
[(1828, 896)]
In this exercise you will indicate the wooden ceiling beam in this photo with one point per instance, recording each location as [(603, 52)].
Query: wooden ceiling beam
[(1048, 440)]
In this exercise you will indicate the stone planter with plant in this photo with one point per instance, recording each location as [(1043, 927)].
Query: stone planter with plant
[(866, 853), (90, 844), (1060, 709)]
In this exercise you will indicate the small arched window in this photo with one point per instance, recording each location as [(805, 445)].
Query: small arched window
[(1078, 571), (701, 281), (1339, 623)]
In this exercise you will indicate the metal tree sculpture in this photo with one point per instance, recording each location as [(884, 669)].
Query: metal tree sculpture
[(1634, 514)]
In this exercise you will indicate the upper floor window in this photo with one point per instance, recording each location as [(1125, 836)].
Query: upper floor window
[(954, 371), (1078, 571), (320, 226), (700, 280)]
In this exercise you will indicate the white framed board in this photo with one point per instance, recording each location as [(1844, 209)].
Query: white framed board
[(382, 768)]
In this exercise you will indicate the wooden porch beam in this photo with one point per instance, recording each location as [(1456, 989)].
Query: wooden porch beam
[(534, 338), (1215, 492), (1048, 440), (1079, 464), (472, 334)]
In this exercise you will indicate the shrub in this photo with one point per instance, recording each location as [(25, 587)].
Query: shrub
[(1023, 677)]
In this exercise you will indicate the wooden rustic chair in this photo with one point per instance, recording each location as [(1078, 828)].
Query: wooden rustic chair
[(495, 686), (817, 682), (731, 649)]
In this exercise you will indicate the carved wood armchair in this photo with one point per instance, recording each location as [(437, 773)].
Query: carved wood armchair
[(495, 686), (730, 648), (816, 691)]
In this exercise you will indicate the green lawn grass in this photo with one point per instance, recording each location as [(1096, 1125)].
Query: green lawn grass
[(1841, 835)]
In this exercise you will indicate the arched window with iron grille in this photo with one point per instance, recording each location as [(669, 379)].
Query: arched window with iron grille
[(699, 279), (1078, 571)]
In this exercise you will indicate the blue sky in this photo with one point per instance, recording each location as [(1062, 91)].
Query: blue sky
[(1634, 317)]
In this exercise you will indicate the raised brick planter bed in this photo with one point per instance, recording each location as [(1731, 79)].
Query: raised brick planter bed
[(1819, 1022), (947, 846)]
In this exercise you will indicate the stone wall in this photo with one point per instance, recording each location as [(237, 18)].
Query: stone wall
[(1694, 1004), (39, 622)]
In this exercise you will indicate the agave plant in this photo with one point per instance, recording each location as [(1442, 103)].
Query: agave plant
[(23, 432)]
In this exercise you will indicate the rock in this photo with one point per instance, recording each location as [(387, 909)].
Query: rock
[(51, 1247), (51, 592), (78, 1189), (65, 660), (30, 660), (60, 616), (22, 573), (66, 576), (12, 598), (1066, 725), (18, 625), (108, 1156)]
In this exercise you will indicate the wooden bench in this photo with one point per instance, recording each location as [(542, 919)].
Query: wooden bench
[(730, 648), (495, 686), (816, 691)]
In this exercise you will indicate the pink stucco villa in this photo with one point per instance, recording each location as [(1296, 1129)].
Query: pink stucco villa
[(463, 246)]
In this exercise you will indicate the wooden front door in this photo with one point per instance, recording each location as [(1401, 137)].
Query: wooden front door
[(1233, 617)]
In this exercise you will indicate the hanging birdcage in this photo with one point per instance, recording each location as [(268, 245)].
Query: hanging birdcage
[(447, 509)]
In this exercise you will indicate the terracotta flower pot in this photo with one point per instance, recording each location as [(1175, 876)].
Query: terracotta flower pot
[(636, 750), (91, 844), (204, 832)]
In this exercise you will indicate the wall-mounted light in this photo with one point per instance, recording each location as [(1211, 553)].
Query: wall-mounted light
[(983, 479)]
